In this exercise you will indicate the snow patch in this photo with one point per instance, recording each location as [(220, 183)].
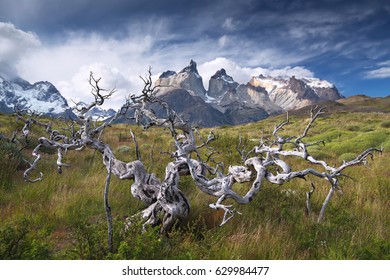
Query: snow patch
[(209, 99), (317, 83), (226, 79)]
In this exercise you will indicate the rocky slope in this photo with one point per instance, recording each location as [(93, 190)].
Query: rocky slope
[(292, 93)]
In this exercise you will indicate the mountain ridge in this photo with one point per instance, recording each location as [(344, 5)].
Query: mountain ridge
[(225, 102), (238, 103)]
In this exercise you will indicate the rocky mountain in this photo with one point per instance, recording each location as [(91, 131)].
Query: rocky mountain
[(220, 83), (187, 79), (232, 103), (292, 93), (191, 108), (240, 103), (224, 102), (185, 93), (40, 97), (224, 92)]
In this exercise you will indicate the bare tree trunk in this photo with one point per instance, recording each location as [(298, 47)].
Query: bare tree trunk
[(108, 209), (308, 198), (325, 204)]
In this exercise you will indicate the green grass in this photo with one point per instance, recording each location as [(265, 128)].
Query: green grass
[(62, 217)]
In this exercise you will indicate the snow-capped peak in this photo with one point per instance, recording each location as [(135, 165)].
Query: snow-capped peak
[(221, 75), (190, 68), (40, 97), (269, 83), (317, 83)]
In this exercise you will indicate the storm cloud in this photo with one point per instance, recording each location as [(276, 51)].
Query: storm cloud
[(344, 42)]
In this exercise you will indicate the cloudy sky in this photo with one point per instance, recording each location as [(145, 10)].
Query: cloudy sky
[(344, 42)]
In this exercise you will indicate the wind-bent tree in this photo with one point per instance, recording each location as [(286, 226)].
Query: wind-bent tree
[(166, 203)]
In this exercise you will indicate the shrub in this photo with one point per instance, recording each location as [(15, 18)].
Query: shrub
[(385, 124), (87, 241), (18, 241), (139, 244), (11, 160), (123, 150)]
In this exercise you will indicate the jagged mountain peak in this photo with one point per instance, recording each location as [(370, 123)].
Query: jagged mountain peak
[(167, 74), (188, 79), (220, 84), (263, 95), (191, 68), (221, 74)]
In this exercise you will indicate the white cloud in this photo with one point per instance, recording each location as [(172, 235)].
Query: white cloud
[(380, 73), (384, 63), (67, 65), (222, 41), (121, 58), (15, 43), (78, 88), (242, 75), (301, 32), (229, 24)]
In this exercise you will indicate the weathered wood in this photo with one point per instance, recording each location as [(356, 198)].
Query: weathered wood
[(308, 199), (108, 209)]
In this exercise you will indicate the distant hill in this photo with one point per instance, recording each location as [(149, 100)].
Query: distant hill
[(356, 103)]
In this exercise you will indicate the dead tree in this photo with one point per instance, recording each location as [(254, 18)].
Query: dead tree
[(166, 203)]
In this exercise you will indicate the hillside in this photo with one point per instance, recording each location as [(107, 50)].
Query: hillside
[(356, 103), (62, 217)]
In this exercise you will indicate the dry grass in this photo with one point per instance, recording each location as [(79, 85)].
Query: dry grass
[(66, 217)]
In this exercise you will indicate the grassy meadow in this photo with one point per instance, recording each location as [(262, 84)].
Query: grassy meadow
[(63, 217)]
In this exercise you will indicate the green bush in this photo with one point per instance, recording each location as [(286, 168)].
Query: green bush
[(88, 241), (18, 241), (141, 245), (11, 159)]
